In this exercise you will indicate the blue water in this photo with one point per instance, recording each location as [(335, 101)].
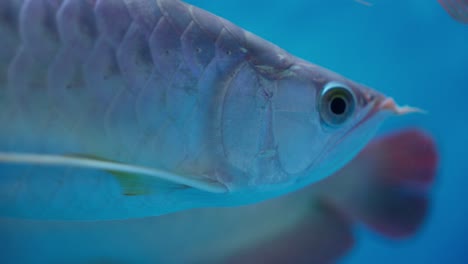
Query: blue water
[(411, 50)]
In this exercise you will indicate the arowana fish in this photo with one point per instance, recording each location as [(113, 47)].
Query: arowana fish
[(123, 109), (126, 109)]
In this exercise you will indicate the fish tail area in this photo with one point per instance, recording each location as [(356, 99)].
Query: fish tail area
[(387, 186), (457, 9)]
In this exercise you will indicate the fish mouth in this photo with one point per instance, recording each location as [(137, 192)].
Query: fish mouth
[(388, 104), (385, 105), (379, 105)]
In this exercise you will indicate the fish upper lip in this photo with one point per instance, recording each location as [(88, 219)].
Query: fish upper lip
[(388, 104)]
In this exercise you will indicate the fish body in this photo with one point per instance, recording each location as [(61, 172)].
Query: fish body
[(96, 96), (136, 81)]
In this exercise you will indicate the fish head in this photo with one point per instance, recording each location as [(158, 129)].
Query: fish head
[(321, 121)]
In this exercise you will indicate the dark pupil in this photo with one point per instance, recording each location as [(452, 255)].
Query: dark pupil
[(338, 106)]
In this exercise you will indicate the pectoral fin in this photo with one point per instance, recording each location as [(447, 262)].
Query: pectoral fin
[(134, 180), (132, 184)]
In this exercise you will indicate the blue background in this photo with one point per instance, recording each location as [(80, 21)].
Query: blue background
[(411, 50)]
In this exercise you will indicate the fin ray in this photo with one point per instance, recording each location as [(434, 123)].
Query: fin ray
[(110, 166)]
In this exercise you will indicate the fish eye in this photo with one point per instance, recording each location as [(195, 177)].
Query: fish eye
[(337, 104)]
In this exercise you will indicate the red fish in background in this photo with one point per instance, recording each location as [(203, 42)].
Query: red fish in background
[(385, 187), (457, 9)]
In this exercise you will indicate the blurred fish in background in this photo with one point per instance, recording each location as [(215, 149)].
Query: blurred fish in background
[(457, 9)]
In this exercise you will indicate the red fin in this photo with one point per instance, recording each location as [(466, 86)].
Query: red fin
[(407, 158), (323, 236), (387, 185), (457, 9)]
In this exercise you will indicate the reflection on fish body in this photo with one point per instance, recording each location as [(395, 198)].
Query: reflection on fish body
[(123, 109)]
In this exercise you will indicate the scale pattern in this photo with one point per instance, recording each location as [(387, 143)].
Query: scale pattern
[(154, 83), (147, 82)]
